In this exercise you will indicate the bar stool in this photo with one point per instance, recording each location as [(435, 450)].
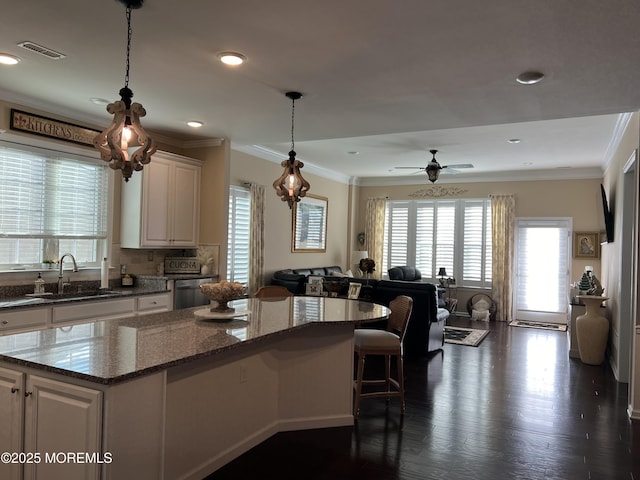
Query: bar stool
[(368, 341)]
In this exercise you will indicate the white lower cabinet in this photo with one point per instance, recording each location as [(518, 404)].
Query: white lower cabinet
[(154, 304), (52, 428), (90, 311), (11, 420), (22, 320)]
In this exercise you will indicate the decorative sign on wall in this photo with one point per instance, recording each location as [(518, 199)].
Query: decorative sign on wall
[(49, 127), (181, 265)]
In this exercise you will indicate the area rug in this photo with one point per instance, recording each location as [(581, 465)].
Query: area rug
[(464, 336), (545, 326)]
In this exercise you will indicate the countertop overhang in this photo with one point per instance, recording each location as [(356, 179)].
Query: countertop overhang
[(113, 351)]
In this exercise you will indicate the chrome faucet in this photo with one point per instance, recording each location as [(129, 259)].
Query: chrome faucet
[(61, 283)]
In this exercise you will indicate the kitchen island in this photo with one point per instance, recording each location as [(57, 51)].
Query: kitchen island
[(175, 395)]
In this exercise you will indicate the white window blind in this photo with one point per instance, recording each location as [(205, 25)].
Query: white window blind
[(46, 194), (542, 254), (434, 234), (239, 235)]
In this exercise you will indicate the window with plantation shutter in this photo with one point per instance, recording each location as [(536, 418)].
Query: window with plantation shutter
[(476, 265), (239, 235), (51, 203), (434, 234), (424, 237), (399, 235), (445, 247)]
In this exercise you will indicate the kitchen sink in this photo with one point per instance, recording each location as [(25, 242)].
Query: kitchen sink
[(73, 295)]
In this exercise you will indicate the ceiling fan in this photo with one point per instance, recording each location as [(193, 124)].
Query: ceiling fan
[(433, 167)]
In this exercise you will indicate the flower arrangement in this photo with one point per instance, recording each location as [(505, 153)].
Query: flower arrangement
[(367, 265), (223, 292), (205, 257)]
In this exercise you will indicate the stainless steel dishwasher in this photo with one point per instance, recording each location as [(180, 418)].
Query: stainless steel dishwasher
[(187, 293)]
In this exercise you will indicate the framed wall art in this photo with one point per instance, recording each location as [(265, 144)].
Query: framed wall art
[(309, 232), (586, 245)]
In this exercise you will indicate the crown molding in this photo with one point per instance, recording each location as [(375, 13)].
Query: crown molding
[(277, 157)]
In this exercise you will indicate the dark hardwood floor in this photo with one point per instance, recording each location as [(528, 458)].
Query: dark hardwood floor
[(515, 407)]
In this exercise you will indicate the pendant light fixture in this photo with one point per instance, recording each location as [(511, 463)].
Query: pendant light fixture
[(114, 141), (291, 187)]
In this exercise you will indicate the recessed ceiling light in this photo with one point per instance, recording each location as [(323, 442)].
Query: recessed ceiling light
[(231, 58), (527, 164), (99, 101), (514, 140), (195, 123), (8, 59), (529, 78), (353, 152)]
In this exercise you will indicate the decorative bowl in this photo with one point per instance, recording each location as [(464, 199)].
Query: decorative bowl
[(336, 287), (222, 293)]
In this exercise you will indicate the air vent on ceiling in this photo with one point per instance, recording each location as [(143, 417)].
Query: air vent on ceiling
[(47, 52)]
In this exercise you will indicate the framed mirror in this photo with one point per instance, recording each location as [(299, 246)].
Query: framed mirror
[(309, 233)]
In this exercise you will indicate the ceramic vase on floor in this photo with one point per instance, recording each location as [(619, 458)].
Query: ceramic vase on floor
[(592, 330)]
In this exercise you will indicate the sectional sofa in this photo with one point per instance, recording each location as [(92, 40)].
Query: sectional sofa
[(425, 333)]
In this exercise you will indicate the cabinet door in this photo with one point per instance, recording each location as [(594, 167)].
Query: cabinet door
[(11, 419), (186, 199), (156, 203), (60, 417)]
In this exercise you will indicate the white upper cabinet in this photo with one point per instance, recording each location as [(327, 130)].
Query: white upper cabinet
[(161, 205)]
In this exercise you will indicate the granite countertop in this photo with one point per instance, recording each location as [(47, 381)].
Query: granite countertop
[(113, 351), (25, 301)]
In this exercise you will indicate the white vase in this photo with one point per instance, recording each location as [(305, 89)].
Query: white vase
[(204, 269), (592, 330)]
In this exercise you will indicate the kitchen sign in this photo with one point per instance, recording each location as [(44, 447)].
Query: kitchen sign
[(49, 127), (181, 265)]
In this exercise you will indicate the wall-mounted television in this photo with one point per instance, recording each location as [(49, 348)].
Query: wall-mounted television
[(608, 216)]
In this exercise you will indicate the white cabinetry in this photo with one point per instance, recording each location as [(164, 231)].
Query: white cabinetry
[(47, 417), (90, 311), (14, 321), (161, 207), (154, 303), (11, 419)]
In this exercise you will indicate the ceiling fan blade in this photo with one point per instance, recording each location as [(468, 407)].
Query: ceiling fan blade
[(459, 165), (413, 168)]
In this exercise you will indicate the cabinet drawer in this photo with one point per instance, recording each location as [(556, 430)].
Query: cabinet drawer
[(149, 303), (94, 310), (23, 319)]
